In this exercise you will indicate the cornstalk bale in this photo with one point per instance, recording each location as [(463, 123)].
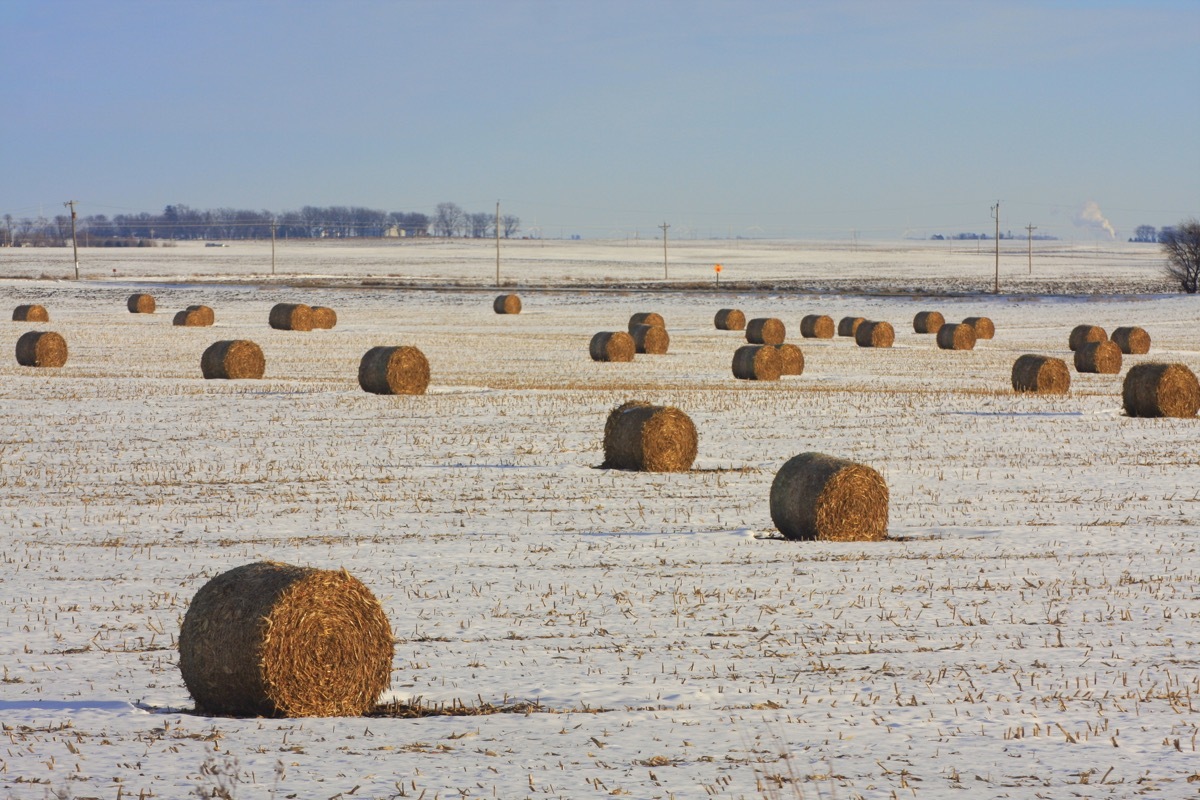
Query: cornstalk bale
[(1101, 357), (648, 438), (1132, 340), (41, 349), (765, 330), (822, 497), (757, 362), (1081, 334), (984, 327), (234, 359), (612, 346), (956, 336), (816, 326), (928, 322), (651, 339), (848, 326), (1041, 375), (1161, 390), (646, 318), (507, 304), (291, 317), (195, 317), (323, 318), (730, 319), (140, 304), (276, 640), (875, 334), (31, 313), (791, 359), (394, 370)]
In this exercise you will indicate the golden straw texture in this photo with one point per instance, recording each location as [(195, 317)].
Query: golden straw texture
[(291, 317), (507, 304), (612, 346), (817, 326), (984, 327), (1101, 357), (646, 318), (928, 322), (1132, 340), (648, 438), (730, 319), (816, 496), (1040, 375), (791, 359), (1161, 390), (235, 359), (323, 318), (765, 330), (140, 304), (875, 334), (394, 370), (194, 317), (757, 362), (651, 339), (1082, 334), (848, 326), (41, 349), (956, 336), (30, 313)]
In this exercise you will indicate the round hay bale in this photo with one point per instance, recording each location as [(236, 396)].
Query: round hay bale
[(821, 497), (235, 359), (646, 318), (276, 640), (875, 334), (1101, 357), (1161, 390), (612, 346), (649, 438), (765, 330), (956, 336), (507, 304), (816, 326), (140, 304), (291, 317), (757, 362), (41, 349), (1041, 375), (730, 319), (1082, 334), (30, 313), (928, 322), (848, 326), (394, 370), (791, 359), (323, 318), (984, 327), (1132, 340), (651, 339), (194, 317)]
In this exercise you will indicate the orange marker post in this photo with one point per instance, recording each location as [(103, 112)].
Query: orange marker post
[(717, 269)]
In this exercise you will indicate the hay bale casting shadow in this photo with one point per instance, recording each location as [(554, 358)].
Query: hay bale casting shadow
[(791, 359), (816, 326), (140, 304), (1082, 334), (765, 330), (1161, 390), (757, 362), (648, 438), (291, 317), (394, 370), (235, 359), (984, 327), (1040, 375), (651, 339), (848, 326), (195, 317), (41, 349), (30, 313), (730, 319), (612, 346), (323, 318), (646, 318), (928, 322), (1099, 357), (1132, 340), (956, 336), (816, 496), (875, 334), (507, 304)]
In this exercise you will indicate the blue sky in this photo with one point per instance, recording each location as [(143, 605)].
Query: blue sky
[(790, 119)]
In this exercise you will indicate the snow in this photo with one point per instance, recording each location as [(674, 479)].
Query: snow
[(1029, 630)]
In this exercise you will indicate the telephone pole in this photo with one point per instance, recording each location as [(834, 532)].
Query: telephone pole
[(996, 216), (1029, 229), (664, 227), (497, 243), (74, 242)]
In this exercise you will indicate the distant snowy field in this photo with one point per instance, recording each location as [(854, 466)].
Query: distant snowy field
[(1030, 630)]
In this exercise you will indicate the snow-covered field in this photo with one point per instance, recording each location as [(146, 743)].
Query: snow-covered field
[(1030, 630)]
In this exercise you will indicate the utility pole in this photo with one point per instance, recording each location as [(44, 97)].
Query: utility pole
[(664, 227), (74, 243), (1029, 229), (497, 243), (272, 245), (996, 216)]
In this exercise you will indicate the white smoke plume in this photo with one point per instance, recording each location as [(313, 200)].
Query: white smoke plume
[(1090, 217)]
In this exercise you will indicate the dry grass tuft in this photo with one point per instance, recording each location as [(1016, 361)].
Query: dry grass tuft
[(757, 362), (1040, 375), (820, 497), (648, 438), (235, 359), (394, 370), (41, 349), (1161, 390)]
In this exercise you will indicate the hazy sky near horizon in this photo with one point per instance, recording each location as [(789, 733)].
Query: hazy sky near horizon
[(876, 118)]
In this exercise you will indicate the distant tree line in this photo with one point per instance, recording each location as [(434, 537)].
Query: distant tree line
[(1149, 235), (180, 222), (971, 237)]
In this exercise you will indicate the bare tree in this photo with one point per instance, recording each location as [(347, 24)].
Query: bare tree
[(509, 224), (1181, 245), (478, 224), (447, 219)]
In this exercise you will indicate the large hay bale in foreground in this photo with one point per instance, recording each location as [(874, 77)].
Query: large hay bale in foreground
[(291, 317), (394, 370), (270, 639), (1082, 334), (791, 359), (651, 339), (1100, 357), (1161, 390), (234, 359), (41, 349), (31, 313), (195, 317), (1041, 375), (646, 318), (984, 327), (649, 438), (1132, 340), (140, 304), (848, 326), (323, 318), (875, 334), (765, 330), (730, 319), (507, 304), (612, 346), (757, 362), (816, 496), (928, 322), (956, 336), (816, 326)]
